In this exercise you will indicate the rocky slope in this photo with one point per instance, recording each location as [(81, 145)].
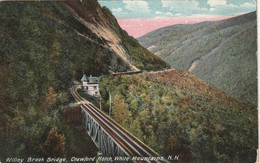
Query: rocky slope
[(222, 53)]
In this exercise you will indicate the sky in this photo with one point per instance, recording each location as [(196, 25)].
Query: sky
[(135, 15)]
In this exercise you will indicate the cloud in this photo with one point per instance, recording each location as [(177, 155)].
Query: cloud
[(241, 6), (232, 6), (232, 9), (162, 14), (174, 8), (212, 9), (118, 10), (248, 5), (203, 9), (138, 6), (217, 2), (185, 7), (178, 14), (176, 5), (168, 14)]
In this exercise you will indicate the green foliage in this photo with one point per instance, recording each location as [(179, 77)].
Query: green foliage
[(176, 113), (40, 55)]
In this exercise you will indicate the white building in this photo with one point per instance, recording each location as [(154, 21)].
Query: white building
[(90, 85)]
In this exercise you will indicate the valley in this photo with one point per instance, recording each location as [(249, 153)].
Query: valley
[(222, 53)]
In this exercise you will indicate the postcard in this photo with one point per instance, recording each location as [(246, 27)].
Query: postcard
[(128, 81)]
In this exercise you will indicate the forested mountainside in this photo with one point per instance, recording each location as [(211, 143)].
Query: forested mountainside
[(44, 46), (222, 53), (176, 113)]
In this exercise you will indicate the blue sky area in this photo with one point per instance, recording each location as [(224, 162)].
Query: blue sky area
[(124, 9)]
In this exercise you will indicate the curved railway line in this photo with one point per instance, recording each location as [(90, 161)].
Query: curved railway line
[(131, 146)]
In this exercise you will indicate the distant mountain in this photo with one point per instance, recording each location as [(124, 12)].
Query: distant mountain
[(44, 46), (222, 53), (176, 112)]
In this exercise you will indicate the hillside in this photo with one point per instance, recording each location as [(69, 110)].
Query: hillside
[(44, 47), (174, 112), (222, 53)]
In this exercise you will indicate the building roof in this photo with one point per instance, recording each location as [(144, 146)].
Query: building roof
[(84, 77), (90, 80)]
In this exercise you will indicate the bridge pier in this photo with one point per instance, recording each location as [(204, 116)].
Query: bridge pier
[(106, 145)]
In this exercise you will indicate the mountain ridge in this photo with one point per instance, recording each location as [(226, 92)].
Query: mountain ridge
[(221, 53)]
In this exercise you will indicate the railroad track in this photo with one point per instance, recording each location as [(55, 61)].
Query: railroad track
[(127, 73), (130, 144)]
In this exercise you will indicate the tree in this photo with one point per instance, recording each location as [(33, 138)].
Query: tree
[(120, 112), (170, 145), (54, 144), (51, 96)]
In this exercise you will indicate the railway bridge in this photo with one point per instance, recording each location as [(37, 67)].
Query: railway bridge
[(111, 139)]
